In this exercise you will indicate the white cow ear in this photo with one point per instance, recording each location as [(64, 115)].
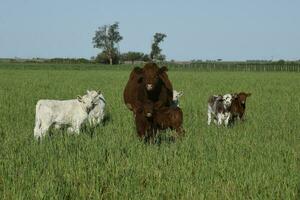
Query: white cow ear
[(87, 91), (79, 98)]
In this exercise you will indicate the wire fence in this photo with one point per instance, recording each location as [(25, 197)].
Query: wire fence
[(205, 66), (290, 67)]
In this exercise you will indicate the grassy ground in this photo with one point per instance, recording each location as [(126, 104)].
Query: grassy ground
[(258, 159)]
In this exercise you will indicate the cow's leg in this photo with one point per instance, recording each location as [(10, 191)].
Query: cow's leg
[(37, 132), (180, 131), (227, 118), (242, 117), (219, 118), (76, 128), (57, 126), (41, 129), (208, 115), (70, 129)]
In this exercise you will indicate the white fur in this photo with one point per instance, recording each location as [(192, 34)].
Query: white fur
[(176, 96), (227, 99), (223, 116), (63, 112), (97, 114)]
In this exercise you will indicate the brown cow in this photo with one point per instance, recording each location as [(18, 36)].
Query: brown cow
[(148, 83), (134, 92), (238, 106)]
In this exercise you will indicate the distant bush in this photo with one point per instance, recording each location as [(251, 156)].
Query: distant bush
[(68, 60)]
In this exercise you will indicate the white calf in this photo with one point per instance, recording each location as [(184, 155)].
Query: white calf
[(176, 96), (218, 106), (97, 114), (66, 112)]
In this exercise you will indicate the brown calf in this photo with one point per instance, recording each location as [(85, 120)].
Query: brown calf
[(169, 117), (144, 121), (238, 106)]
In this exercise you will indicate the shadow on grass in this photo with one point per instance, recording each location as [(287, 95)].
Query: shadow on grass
[(163, 137)]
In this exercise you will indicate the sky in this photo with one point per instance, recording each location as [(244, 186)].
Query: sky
[(195, 29)]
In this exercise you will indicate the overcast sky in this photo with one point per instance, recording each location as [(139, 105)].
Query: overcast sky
[(196, 29)]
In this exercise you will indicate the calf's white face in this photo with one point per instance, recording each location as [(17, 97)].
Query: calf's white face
[(227, 99), (90, 99), (177, 95)]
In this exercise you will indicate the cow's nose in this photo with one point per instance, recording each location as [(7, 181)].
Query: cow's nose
[(149, 115), (149, 86)]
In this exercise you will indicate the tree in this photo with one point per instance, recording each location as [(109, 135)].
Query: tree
[(106, 38), (155, 50), (132, 56), (102, 58), (146, 58), (161, 57)]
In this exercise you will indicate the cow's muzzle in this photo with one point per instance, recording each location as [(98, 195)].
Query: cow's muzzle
[(149, 86)]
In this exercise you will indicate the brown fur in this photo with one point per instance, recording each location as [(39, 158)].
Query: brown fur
[(136, 93), (144, 121), (169, 117), (238, 105), (149, 120)]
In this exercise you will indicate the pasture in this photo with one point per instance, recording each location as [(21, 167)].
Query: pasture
[(258, 159)]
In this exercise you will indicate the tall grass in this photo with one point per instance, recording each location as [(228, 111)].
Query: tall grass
[(258, 159)]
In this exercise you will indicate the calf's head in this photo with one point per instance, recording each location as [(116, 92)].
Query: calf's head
[(146, 109), (227, 99), (242, 96), (89, 100), (177, 95)]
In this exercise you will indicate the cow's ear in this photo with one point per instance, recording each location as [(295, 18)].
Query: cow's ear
[(79, 98), (137, 70), (163, 69), (165, 79), (180, 93), (248, 94)]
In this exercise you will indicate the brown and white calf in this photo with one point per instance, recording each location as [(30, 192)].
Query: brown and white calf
[(238, 106), (219, 109)]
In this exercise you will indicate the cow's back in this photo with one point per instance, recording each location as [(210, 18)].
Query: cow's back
[(130, 94)]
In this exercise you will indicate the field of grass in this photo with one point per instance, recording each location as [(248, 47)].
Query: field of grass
[(258, 159)]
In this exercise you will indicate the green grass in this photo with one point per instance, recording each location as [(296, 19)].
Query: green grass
[(258, 159)]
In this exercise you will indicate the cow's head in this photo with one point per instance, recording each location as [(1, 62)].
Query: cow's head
[(151, 75), (227, 99), (242, 96)]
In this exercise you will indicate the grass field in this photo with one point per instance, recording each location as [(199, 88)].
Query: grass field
[(258, 159)]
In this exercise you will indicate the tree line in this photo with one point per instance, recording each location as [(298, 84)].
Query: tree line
[(107, 38)]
